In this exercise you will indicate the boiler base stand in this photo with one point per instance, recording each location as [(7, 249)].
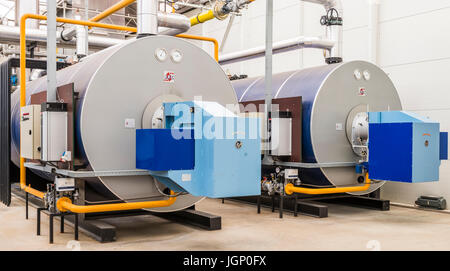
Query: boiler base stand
[(93, 225), (314, 205)]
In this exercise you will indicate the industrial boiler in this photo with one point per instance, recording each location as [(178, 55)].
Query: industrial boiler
[(113, 127), (342, 121)]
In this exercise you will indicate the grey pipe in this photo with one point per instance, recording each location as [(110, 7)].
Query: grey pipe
[(278, 47), (11, 35), (82, 35), (169, 24), (333, 32), (332, 43), (268, 75), (172, 24), (51, 50), (147, 17)]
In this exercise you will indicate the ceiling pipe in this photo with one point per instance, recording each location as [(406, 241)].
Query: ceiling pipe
[(11, 35), (332, 44), (374, 8), (278, 47), (81, 44), (147, 17), (172, 24), (333, 20)]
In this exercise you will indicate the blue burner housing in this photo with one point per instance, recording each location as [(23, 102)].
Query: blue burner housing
[(205, 150)]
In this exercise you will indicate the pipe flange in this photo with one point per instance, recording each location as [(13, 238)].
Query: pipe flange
[(63, 38), (218, 10), (333, 60)]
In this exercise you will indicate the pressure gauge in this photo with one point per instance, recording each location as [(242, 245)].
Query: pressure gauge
[(161, 54), (357, 74), (366, 74), (176, 56)]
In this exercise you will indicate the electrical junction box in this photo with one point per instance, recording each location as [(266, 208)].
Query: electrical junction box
[(30, 132), (281, 133), (64, 184), (404, 147), (291, 173), (54, 131)]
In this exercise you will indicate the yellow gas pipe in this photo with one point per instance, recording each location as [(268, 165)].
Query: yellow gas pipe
[(65, 204), (202, 17), (214, 41), (211, 14), (290, 189)]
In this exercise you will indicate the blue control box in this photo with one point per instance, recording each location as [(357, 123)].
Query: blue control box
[(404, 147)]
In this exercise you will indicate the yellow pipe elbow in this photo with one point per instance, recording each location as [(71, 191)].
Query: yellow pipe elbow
[(214, 41), (65, 204), (290, 189), (202, 17), (34, 192)]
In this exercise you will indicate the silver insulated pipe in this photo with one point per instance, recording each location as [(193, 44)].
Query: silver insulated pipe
[(333, 20), (147, 17), (332, 43)]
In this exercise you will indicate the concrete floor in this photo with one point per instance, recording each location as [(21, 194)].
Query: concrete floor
[(346, 228)]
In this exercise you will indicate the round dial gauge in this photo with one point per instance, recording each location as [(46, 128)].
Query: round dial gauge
[(161, 54), (176, 56), (357, 74), (366, 74)]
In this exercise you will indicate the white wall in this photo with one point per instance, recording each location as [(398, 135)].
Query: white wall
[(413, 49)]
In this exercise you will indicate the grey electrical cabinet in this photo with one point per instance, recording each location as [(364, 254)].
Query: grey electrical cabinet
[(54, 131), (281, 133), (30, 132)]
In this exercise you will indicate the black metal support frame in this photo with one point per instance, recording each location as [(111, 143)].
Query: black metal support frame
[(101, 231), (314, 205), (51, 220)]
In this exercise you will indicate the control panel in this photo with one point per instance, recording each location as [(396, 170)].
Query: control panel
[(54, 131), (30, 136)]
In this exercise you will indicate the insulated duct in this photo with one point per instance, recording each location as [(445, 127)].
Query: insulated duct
[(11, 35), (147, 17), (333, 20), (278, 47)]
